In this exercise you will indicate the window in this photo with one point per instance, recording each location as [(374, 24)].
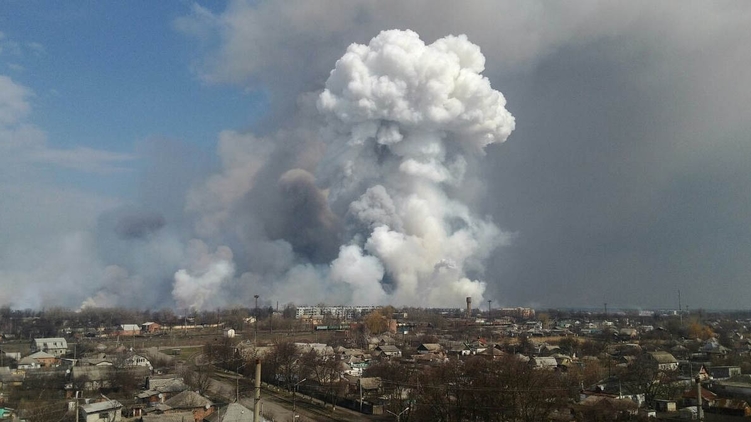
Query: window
[(103, 415)]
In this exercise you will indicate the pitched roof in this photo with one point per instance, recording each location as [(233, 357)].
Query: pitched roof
[(705, 394), (167, 385), (181, 416), (370, 383), (51, 342), (101, 406), (431, 347), (663, 357), (41, 355), (234, 412), (130, 327), (188, 400)]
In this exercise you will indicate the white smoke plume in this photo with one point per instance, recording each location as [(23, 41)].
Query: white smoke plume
[(198, 287), (402, 121)]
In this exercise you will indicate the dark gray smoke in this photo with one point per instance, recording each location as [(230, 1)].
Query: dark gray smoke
[(138, 225)]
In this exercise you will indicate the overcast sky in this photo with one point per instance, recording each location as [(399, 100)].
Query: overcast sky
[(178, 154)]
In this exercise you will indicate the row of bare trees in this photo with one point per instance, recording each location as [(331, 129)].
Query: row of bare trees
[(477, 389)]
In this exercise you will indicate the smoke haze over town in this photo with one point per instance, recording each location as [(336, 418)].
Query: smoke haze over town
[(528, 153)]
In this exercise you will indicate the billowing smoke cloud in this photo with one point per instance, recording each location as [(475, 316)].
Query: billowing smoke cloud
[(400, 122), (404, 119), (200, 286)]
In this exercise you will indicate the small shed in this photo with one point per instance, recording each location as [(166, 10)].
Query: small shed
[(110, 410)]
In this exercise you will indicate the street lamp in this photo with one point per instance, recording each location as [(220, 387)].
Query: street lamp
[(294, 396), (398, 415), (255, 336), (237, 382)]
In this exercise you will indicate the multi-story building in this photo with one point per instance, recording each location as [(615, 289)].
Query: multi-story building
[(338, 312)]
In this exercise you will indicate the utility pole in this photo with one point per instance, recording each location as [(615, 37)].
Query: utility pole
[(294, 397), (257, 401), (699, 409), (77, 405), (237, 382), (255, 336)]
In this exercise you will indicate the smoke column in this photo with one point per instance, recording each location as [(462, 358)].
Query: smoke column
[(404, 119), (400, 123)]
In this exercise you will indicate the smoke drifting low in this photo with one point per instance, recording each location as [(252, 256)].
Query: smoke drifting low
[(369, 219)]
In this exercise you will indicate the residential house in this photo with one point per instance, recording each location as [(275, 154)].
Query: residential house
[(713, 348), (199, 406), (44, 360), (614, 388), (460, 349), (548, 362), (155, 416), (137, 360), (10, 378), (724, 372), (234, 412), (158, 390), (127, 330), (369, 384), (90, 378), (738, 386), (429, 348), (491, 353), (663, 360), (7, 358), (734, 407), (100, 359), (321, 349), (109, 410), (707, 397), (150, 327), (388, 351), (96, 377), (665, 405), (626, 334), (28, 363), (56, 346)]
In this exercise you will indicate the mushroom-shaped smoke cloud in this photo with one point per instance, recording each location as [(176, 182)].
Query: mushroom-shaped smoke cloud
[(404, 119)]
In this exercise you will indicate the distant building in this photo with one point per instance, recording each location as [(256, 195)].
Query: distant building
[(56, 346), (523, 313), (663, 360), (339, 312), (127, 330), (110, 410), (150, 327)]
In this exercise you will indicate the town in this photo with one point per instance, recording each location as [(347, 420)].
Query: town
[(348, 363)]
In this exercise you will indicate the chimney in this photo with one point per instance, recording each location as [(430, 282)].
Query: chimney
[(469, 307)]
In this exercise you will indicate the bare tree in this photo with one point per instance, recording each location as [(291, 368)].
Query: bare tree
[(282, 364), (198, 378)]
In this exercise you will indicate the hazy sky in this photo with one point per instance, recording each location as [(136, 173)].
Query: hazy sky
[(157, 154)]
